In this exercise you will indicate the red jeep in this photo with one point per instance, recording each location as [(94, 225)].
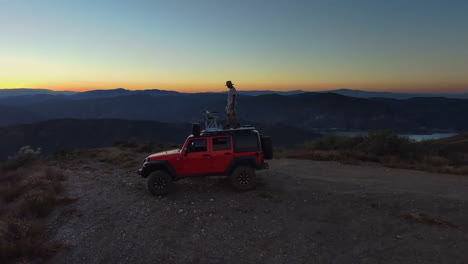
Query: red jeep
[(236, 153)]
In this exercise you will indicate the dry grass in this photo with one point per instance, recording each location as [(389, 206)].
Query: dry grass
[(347, 157), (127, 155), (437, 164), (124, 158), (430, 164), (29, 191), (388, 149)]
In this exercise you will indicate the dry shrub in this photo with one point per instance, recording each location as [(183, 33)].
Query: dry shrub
[(28, 193), (22, 239), (436, 161), (26, 156), (431, 164), (348, 157), (386, 148), (143, 147), (425, 219), (120, 157)]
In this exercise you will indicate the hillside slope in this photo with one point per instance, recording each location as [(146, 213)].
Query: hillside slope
[(305, 111), (308, 110), (69, 134), (10, 115)]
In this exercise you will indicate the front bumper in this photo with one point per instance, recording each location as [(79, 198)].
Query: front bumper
[(143, 172)]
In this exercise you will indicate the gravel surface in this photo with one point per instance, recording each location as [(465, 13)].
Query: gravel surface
[(300, 212)]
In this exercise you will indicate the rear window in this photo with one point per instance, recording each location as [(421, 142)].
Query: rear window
[(221, 143), (246, 142)]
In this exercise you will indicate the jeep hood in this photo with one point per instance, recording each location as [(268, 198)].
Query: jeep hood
[(164, 154)]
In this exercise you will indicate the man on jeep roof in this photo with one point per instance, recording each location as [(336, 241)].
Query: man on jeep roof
[(231, 105)]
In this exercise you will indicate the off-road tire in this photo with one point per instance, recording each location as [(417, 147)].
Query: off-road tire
[(160, 183), (243, 178)]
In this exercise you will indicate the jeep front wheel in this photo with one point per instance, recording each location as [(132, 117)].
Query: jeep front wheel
[(243, 178), (160, 183)]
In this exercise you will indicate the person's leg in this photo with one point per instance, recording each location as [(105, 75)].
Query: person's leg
[(234, 114), (228, 120)]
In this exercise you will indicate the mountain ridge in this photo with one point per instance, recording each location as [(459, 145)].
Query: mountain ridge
[(158, 92)]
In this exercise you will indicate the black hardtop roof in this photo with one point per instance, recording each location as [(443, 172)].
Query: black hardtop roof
[(231, 132), (228, 132)]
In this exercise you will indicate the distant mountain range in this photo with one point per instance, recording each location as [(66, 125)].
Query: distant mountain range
[(156, 92), (309, 111), (370, 94), (98, 118), (70, 134), (28, 91)]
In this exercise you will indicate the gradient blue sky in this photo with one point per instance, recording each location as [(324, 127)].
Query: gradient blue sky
[(398, 45)]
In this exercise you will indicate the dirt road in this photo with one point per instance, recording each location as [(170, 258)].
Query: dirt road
[(301, 212)]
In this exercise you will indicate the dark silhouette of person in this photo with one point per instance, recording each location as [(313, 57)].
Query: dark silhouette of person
[(231, 105)]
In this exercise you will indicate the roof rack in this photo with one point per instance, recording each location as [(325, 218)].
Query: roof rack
[(211, 124)]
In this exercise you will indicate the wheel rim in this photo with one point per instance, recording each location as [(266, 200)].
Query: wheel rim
[(160, 183), (244, 178)]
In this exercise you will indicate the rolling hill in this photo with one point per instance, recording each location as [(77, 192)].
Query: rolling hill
[(14, 115), (69, 134), (305, 111), (312, 111)]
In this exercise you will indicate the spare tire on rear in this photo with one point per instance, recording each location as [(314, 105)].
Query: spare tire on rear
[(196, 129), (267, 147)]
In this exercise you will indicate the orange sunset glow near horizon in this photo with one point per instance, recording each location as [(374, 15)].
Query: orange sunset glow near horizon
[(219, 87), (195, 46)]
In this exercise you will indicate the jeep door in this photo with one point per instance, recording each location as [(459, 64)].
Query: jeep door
[(197, 159), (222, 153)]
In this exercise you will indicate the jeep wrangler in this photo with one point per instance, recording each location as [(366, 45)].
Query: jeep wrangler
[(235, 153)]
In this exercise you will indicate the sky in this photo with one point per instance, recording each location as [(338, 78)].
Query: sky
[(191, 46)]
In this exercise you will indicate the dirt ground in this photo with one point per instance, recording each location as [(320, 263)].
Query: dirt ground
[(300, 212)]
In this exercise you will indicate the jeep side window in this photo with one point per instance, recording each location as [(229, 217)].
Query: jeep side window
[(221, 143), (246, 143), (197, 145)]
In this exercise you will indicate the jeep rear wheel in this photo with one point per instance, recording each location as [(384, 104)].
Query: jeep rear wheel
[(243, 178), (160, 183)]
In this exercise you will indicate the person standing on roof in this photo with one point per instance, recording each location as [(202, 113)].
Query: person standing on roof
[(231, 105)]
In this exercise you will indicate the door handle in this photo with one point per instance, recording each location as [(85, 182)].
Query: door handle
[(206, 156), (227, 153)]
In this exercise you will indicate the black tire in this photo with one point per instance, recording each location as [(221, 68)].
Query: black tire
[(160, 183), (267, 147), (196, 129), (243, 178)]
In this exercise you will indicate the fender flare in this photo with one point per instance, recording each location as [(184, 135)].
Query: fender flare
[(151, 166), (247, 160)]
